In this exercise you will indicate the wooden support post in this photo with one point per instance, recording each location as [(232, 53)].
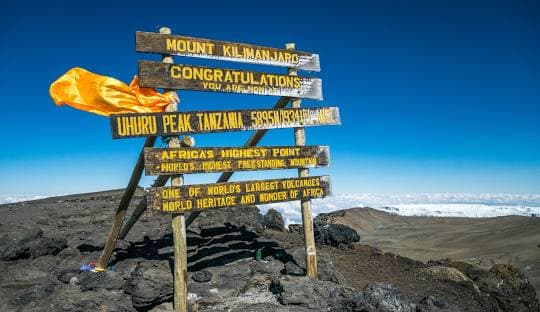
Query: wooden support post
[(307, 218), (141, 207), (122, 208), (178, 220), (180, 276), (180, 248), (186, 141)]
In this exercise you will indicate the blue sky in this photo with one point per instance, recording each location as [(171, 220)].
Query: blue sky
[(435, 96)]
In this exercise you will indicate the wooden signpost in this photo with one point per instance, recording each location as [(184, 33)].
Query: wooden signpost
[(305, 204), (175, 123), (236, 194), (224, 50), (182, 158), (190, 77), (164, 161)]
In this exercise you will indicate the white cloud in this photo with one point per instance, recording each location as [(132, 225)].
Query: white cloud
[(7, 199), (441, 204)]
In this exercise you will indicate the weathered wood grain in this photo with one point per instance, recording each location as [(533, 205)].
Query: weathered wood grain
[(223, 50), (200, 78), (178, 223), (121, 210), (236, 194), (175, 123), (168, 161), (305, 204)]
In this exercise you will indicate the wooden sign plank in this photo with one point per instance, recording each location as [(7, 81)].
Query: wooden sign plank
[(236, 194), (176, 123), (200, 78), (169, 161), (223, 50)]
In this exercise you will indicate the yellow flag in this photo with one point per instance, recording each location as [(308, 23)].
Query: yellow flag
[(104, 95)]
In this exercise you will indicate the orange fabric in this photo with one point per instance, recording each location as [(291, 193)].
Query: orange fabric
[(104, 95)]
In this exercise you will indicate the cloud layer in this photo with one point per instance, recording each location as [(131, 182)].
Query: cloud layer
[(6, 199), (443, 204)]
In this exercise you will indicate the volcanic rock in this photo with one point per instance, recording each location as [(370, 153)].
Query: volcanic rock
[(201, 276), (29, 244), (40, 267), (273, 220), (100, 280), (248, 217), (296, 228), (292, 268), (150, 284), (385, 297), (504, 283), (318, 295), (326, 268), (335, 234)]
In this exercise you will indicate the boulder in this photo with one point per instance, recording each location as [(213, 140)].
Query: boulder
[(43, 246), (237, 285), (432, 304), (66, 275), (514, 292), (318, 295), (39, 291), (269, 267), (100, 280), (335, 234), (29, 243), (327, 271), (273, 220), (296, 228), (385, 297), (150, 284), (249, 217), (69, 253), (262, 306), (443, 273), (329, 218), (292, 268), (326, 268), (201, 276), (504, 283)]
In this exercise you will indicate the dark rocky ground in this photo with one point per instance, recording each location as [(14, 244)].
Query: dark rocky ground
[(483, 242), (44, 243)]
